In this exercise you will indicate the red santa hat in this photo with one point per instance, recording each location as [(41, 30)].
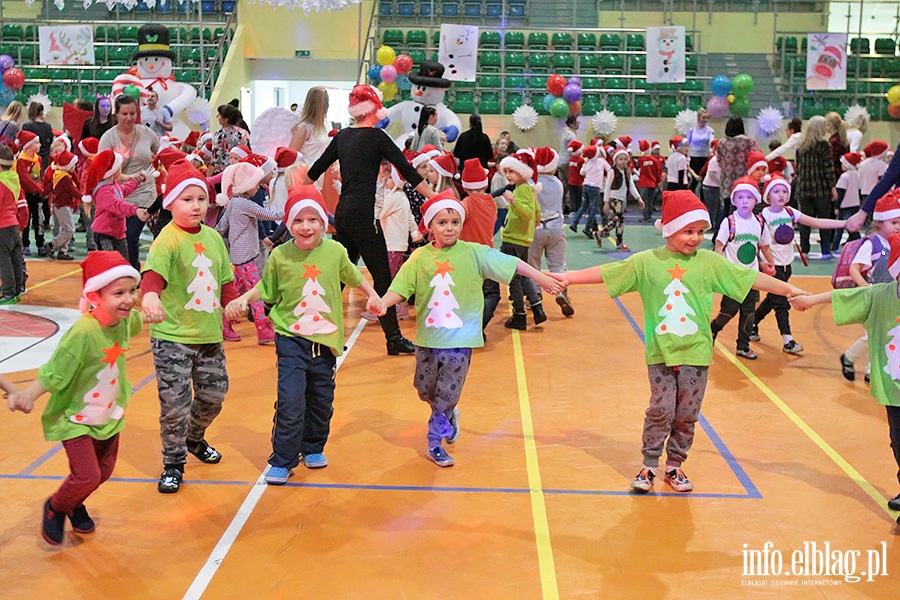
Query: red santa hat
[(894, 257), (474, 176), (89, 146), (304, 196), (167, 156), (206, 150), (851, 160), (546, 160), (241, 151), (263, 162), (195, 159), (168, 141), (445, 165), (888, 206), (104, 166), (439, 202), (206, 136), (398, 179), (654, 145), (66, 161), (590, 152), (59, 136), (430, 148), (777, 165), (424, 157), (237, 179), (776, 179), (192, 139), (522, 163), (755, 160), (746, 184), (101, 268), (676, 142), (876, 149), (620, 151), (364, 100), (713, 145), (286, 157), (27, 138), (680, 209), (180, 175), (644, 146), (623, 141), (595, 142), (575, 147)]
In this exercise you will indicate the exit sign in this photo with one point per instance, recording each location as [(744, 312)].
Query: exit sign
[(301, 53)]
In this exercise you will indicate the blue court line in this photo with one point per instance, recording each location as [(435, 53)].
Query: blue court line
[(52, 451), (730, 460)]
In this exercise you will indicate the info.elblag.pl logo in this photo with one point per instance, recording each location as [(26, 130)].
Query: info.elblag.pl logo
[(816, 563)]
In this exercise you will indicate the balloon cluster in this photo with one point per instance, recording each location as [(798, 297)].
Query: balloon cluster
[(13, 79), (893, 96), (564, 98), (730, 94), (391, 74)]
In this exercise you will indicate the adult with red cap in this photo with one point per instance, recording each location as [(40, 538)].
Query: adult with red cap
[(360, 149)]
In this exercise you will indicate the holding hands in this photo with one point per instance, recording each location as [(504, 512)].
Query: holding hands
[(153, 308), (142, 214), (236, 310)]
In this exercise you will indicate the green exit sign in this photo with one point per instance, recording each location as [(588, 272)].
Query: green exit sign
[(301, 53)]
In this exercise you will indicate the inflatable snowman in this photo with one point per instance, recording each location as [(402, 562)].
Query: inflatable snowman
[(429, 87), (154, 69)]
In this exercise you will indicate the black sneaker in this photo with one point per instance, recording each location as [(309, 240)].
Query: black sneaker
[(792, 347), (754, 335), (539, 315), (847, 369), (397, 344), (47, 250), (53, 525), (866, 378), (81, 520), (565, 304), (64, 257), (170, 480), (894, 503), (517, 322), (205, 453)]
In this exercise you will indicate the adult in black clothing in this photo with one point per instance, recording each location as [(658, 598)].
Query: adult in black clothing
[(102, 121), (37, 126), (474, 143), (360, 149)]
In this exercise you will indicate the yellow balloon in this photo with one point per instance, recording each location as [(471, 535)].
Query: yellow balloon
[(388, 90), (893, 95), (385, 56), (730, 98)]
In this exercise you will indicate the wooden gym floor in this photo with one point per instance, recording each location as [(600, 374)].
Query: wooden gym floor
[(786, 452)]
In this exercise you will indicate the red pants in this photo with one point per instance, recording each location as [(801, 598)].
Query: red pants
[(91, 462)]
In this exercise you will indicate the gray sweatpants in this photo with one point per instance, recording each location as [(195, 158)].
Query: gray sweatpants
[(64, 228), (676, 394), (440, 375), (184, 416), (549, 242)]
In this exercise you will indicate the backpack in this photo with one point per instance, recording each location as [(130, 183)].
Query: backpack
[(732, 225), (841, 278)]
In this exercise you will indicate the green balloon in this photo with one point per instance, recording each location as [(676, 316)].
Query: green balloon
[(742, 85), (740, 107), (133, 91), (559, 109)]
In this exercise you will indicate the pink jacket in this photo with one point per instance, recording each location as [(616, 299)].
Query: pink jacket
[(110, 208)]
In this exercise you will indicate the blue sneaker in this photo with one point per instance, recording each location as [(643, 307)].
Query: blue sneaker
[(454, 423), (438, 456), (278, 475), (315, 461)]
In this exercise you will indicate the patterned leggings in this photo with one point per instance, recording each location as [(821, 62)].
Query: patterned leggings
[(676, 394), (246, 276), (439, 378), (616, 221)]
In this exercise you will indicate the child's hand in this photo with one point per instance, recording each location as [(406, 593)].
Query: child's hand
[(508, 195), (550, 284), (18, 400), (416, 236), (236, 310), (796, 292), (768, 269), (561, 278), (640, 202), (606, 208), (153, 308), (801, 303), (376, 305), (268, 243), (142, 214)]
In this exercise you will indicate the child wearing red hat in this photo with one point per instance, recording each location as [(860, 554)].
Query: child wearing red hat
[(186, 281), (877, 307), (872, 167), (302, 282), (102, 187), (65, 200), (676, 283), (88, 147), (89, 389), (28, 167), (678, 169), (11, 259), (849, 199), (446, 277)]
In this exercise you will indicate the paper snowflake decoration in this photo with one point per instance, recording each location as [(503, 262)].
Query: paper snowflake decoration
[(198, 112), (769, 121), (856, 113), (685, 121), (525, 117), (605, 122), (42, 99)]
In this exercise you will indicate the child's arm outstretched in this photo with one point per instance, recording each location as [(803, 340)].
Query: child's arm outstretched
[(551, 285), (802, 303), (374, 302), (10, 390), (768, 284), (820, 223), (588, 275)]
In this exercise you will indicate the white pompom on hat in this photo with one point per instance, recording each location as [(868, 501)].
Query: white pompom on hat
[(180, 175), (101, 268), (680, 209), (304, 196)]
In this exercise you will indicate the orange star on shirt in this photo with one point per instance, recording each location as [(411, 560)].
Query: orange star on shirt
[(198, 248), (311, 272), (443, 267), (677, 273), (112, 354)]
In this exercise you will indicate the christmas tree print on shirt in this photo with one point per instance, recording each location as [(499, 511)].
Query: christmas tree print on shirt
[(443, 302), (100, 400), (204, 285), (675, 311), (892, 366), (311, 307)]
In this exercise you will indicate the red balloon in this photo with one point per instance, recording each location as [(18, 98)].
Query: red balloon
[(556, 84), (893, 109), (133, 71), (403, 64), (14, 78), (574, 108)]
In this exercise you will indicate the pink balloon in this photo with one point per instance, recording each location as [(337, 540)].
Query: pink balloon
[(717, 107), (389, 73)]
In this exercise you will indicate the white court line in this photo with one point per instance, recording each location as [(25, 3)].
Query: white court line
[(201, 581)]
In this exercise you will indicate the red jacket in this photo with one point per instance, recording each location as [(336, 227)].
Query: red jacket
[(66, 193), (649, 171), (29, 171), (576, 179), (8, 207)]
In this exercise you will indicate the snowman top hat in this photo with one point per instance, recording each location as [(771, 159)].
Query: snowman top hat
[(431, 74), (153, 40)]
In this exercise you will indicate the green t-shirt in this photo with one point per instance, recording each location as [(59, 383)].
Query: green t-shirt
[(519, 228), (447, 284), (677, 292), (878, 308), (304, 287), (89, 390), (195, 266)]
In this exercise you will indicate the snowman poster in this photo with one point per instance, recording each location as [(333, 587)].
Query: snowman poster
[(826, 61), (66, 45), (665, 55), (459, 51)]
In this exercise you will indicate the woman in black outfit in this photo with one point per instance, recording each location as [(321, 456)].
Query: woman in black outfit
[(360, 149), (474, 143), (102, 121)]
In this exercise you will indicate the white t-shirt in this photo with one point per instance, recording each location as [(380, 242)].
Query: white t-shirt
[(870, 171), (677, 164), (784, 220), (594, 171), (749, 235), (396, 220), (864, 253), (854, 138), (149, 118), (713, 173), (849, 181)]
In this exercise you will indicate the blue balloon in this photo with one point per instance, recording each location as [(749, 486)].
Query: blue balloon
[(403, 82), (6, 96), (374, 73), (382, 124), (548, 100), (452, 133), (720, 85)]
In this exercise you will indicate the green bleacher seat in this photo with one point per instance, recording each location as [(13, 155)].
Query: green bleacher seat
[(613, 64), (515, 62), (537, 82), (669, 110), (591, 83), (691, 64), (31, 33), (561, 41), (12, 32), (586, 41), (539, 62), (692, 86), (489, 62), (32, 73), (885, 46), (416, 38), (197, 34), (563, 62), (464, 107), (392, 38), (514, 40), (489, 103), (489, 82), (667, 87), (637, 64), (436, 38), (634, 42), (417, 56), (127, 33), (190, 56), (435, 56), (790, 45), (515, 82), (890, 67), (512, 102), (537, 102), (464, 85), (489, 40), (645, 109), (588, 64), (590, 105), (538, 41), (119, 56), (810, 110), (640, 84), (859, 46), (688, 43), (107, 74), (615, 83), (610, 41), (621, 109), (27, 53), (696, 103)]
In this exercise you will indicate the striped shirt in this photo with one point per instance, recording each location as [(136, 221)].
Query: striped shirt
[(239, 223)]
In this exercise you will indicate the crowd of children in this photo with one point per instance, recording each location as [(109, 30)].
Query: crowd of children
[(209, 269)]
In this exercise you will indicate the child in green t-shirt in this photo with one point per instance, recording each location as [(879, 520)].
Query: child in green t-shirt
[(876, 306), (89, 390), (446, 277), (676, 284), (302, 282)]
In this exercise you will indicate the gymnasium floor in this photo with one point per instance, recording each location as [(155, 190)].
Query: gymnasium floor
[(787, 452)]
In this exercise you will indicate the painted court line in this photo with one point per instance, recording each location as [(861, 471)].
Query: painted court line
[(839, 460), (57, 278), (201, 581)]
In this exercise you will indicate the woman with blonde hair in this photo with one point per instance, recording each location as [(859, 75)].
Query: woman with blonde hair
[(840, 145), (855, 130), (9, 128), (309, 137), (814, 185)]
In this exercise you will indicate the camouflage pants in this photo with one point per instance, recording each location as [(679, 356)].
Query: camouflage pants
[(183, 415), (440, 375)]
